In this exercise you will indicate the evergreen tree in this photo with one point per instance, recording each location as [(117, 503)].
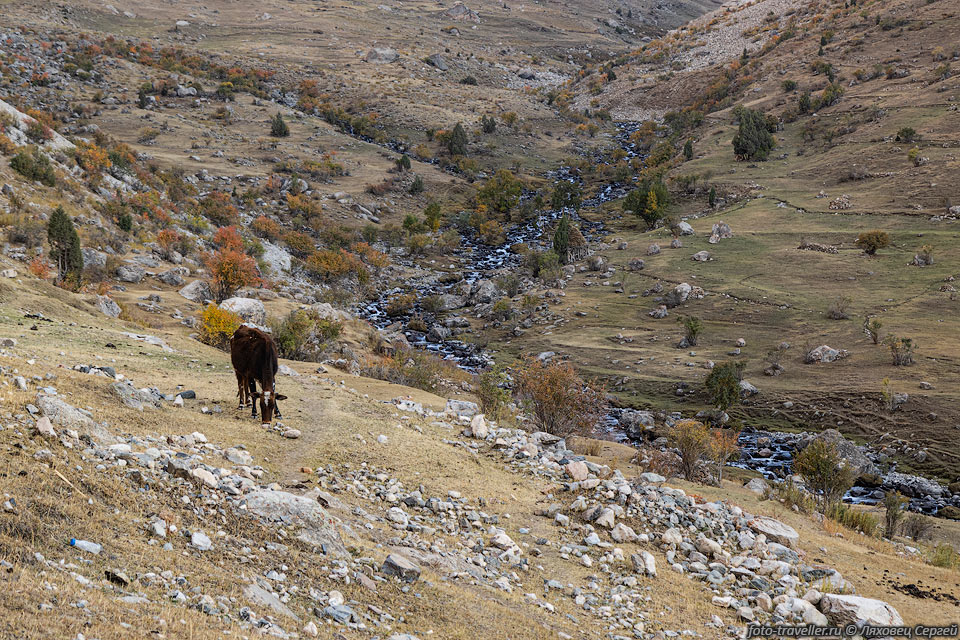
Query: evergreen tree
[(753, 140), (712, 197), (279, 128), (404, 163), (457, 145), (561, 238), (64, 246), (688, 149)]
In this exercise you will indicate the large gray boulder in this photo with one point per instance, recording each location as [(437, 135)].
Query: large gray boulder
[(484, 291), (776, 531), (635, 423), (462, 408), (108, 307), (842, 610), (132, 273), (678, 295), (249, 309), (316, 526), (174, 277), (824, 353), (381, 55), (69, 417), (93, 258), (197, 291)]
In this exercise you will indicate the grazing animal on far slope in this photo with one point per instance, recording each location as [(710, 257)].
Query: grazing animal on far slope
[(254, 357)]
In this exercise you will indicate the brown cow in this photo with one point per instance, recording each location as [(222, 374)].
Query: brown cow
[(254, 357)]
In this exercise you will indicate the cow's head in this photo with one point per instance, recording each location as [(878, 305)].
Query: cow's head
[(268, 404)]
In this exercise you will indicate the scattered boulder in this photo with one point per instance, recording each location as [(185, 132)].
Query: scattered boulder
[(197, 291), (381, 55), (402, 567), (316, 526), (678, 295), (824, 353), (108, 307), (843, 609), (132, 273), (775, 530), (250, 310), (701, 256)]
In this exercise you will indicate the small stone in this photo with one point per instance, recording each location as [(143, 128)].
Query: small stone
[(292, 434), (401, 567), (200, 540)]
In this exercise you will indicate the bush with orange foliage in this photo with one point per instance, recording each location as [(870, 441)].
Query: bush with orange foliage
[(167, 239), (301, 244), (228, 238), (40, 268), (230, 269), (723, 446), (218, 208), (376, 259), (558, 399), (266, 228), (330, 264), (91, 158), (302, 204)]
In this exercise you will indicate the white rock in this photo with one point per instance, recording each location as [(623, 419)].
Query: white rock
[(843, 609)]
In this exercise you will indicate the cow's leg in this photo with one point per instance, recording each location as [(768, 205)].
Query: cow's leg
[(253, 397), (241, 389)]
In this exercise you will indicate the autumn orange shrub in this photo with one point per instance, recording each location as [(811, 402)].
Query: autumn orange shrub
[(266, 228), (39, 268), (228, 238), (217, 326), (92, 158), (558, 399), (330, 264), (300, 243), (229, 270), (167, 239), (218, 208)]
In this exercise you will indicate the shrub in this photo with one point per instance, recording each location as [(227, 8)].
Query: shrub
[(901, 349), (433, 215), (944, 556), (301, 244), (216, 206), (278, 127), (692, 328), (723, 447), (501, 310), (648, 201), (493, 393), (488, 124), (303, 334), (872, 241), (65, 247), (692, 440), (510, 283), (39, 267), (723, 384), (917, 527), (907, 134), (501, 193), (838, 308), (852, 518), (789, 85), (34, 165), (333, 264), (217, 326), (893, 504), (403, 163), (559, 401), (872, 326), (412, 368), (924, 257), (544, 265), (416, 187), (688, 149), (401, 304), (29, 233), (7, 146), (167, 240), (712, 197), (753, 140), (469, 80), (230, 269), (825, 472), (566, 194), (266, 228), (91, 158)]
